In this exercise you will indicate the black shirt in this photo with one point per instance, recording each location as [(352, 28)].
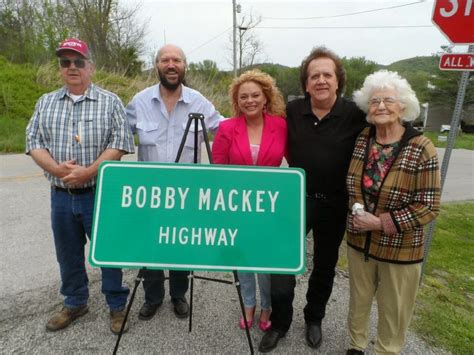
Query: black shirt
[(323, 148)]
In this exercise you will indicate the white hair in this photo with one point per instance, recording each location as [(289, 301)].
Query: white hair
[(384, 79)]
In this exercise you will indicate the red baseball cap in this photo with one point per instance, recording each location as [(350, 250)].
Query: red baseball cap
[(75, 45)]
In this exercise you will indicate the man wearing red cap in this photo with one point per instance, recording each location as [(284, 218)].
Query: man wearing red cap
[(71, 132)]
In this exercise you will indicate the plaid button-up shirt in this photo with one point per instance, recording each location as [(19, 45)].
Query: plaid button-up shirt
[(79, 130)]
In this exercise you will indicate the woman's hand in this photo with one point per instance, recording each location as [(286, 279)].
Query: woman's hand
[(367, 222)]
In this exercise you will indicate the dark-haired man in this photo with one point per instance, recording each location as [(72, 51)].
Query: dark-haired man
[(158, 115), (70, 133), (322, 128)]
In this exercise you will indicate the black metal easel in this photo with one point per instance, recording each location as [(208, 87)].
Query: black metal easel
[(196, 117)]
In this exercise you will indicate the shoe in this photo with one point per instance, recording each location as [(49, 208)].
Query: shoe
[(65, 317), (265, 325), (270, 341), (181, 307), (249, 313), (313, 335), (116, 320), (354, 352), (242, 323), (148, 311)]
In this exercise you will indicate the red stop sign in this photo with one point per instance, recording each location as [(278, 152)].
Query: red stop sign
[(455, 19)]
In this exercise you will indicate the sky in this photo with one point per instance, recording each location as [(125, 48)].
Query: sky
[(383, 31)]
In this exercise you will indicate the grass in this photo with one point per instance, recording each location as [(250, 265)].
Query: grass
[(444, 315), (463, 140), (19, 92), (22, 85), (445, 312)]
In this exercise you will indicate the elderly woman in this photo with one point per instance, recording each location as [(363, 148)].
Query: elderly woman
[(394, 176), (255, 136)]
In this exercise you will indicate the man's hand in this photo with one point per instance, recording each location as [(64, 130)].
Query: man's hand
[(64, 168), (367, 222), (78, 175)]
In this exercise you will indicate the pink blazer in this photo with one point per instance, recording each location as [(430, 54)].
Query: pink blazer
[(231, 144)]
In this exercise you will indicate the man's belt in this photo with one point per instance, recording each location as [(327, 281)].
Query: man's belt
[(75, 191)]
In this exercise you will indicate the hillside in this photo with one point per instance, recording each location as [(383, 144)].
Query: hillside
[(22, 84), (416, 64)]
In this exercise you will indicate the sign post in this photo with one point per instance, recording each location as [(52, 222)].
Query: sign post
[(198, 217), (455, 19)]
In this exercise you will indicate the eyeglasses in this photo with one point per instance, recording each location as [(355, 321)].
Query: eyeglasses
[(66, 63), (388, 101)]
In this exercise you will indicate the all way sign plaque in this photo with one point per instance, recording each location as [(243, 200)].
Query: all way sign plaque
[(455, 61), (199, 217)]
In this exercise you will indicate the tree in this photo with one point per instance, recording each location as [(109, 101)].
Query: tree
[(443, 88), (30, 31), (357, 69), (287, 79), (19, 31), (112, 32), (207, 70), (249, 46)]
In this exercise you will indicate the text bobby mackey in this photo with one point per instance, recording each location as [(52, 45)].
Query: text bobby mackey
[(205, 199)]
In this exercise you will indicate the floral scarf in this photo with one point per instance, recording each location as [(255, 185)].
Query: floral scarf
[(381, 157)]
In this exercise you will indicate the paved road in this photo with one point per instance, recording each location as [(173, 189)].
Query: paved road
[(29, 292)]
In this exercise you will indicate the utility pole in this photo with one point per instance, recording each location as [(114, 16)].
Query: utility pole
[(234, 39), (241, 35)]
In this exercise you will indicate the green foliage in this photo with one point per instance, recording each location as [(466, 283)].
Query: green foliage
[(445, 87), (21, 85), (445, 311), (438, 87), (212, 83), (287, 79), (416, 64), (357, 69), (207, 69), (30, 31), (19, 93), (463, 140)]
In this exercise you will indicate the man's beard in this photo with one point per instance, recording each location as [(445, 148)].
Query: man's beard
[(167, 84)]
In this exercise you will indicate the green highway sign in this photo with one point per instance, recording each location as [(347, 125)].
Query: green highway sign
[(199, 217)]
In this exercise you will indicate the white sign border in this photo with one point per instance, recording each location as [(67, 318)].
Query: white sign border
[(153, 165)]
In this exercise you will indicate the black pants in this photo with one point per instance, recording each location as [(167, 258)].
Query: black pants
[(327, 218), (154, 285)]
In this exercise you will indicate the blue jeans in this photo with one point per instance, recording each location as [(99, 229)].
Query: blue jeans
[(248, 289), (71, 221)]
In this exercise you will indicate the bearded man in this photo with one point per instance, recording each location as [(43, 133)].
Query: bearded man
[(158, 115)]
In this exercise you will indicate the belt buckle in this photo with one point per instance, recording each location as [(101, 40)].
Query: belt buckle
[(69, 191)]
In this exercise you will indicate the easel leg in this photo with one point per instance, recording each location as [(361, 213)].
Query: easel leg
[(242, 307), (196, 117), (138, 279), (191, 293)]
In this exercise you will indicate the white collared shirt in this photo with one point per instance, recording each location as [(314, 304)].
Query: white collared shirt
[(160, 132)]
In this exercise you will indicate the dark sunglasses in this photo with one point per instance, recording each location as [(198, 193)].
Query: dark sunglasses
[(66, 63)]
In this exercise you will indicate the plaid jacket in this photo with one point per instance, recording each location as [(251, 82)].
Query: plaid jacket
[(410, 193)]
